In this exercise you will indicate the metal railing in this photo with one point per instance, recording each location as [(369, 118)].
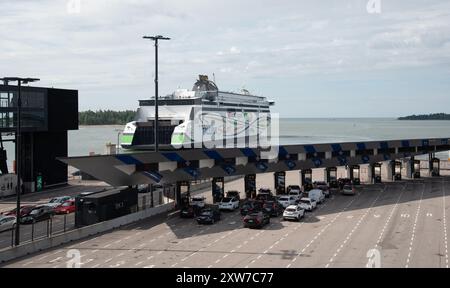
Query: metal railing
[(38, 230)]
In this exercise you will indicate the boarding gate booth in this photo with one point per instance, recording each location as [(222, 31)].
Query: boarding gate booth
[(306, 179), (435, 164), (218, 186), (280, 182), (416, 170), (376, 172), (331, 177), (355, 174), (397, 171), (183, 194), (250, 186)]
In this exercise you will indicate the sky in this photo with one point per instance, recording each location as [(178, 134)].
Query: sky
[(336, 58)]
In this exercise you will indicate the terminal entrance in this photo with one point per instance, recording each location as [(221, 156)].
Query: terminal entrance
[(250, 186), (355, 174), (306, 179), (280, 182), (376, 172), (435, 167), (183, 194), (218, 186), (331, 177)]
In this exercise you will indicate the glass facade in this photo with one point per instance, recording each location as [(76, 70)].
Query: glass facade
[(33, 108)]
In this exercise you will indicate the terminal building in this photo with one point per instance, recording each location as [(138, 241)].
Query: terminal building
[(47, 114)]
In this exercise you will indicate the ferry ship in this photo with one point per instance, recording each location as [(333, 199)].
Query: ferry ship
[(203, 115)]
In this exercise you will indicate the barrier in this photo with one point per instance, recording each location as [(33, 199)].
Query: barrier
[(77, 234)]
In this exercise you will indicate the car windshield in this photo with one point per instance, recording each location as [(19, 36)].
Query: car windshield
[(54, 200), (347, 187), (67, 204), (197, 199), (284, 199), (290, 209), (34, 212), (226, 199), (206, 213), (305, 201), (293, 193)]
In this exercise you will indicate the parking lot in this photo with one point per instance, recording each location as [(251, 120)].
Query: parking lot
[(401, 224)]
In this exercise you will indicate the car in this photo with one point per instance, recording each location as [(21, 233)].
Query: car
[(229, 203), (274, 208), (297, 194), (65, 208), (24, 210), (39, 213), (265, 190), (286, 201), (264, 197), (293, 212), (235, 194), (316, 195), (251, 206), (348, 190), (55, 202), (307, 204), (198, 201), (293, 188), (208, 216), (344, 181), (322, 185), (7, 223), (256, 219)]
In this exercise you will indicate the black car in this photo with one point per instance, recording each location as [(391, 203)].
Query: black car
[(250, 206), (273, 208), (208, 216), (256, 219), (39, 213)]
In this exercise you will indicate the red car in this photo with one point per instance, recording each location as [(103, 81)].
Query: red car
[(66, 208), (24, 211)]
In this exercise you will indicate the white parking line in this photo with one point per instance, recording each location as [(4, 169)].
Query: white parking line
[(323, 230), (413, 235)]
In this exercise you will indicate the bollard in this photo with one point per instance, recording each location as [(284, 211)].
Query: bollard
[(32, 231)]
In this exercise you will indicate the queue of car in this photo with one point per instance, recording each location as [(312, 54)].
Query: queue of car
[(30, 214), (257, 212)]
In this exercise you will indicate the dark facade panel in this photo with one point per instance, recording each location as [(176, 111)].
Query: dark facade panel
[(62, 109)]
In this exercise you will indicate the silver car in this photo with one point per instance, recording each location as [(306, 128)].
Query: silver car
[(7, 222)]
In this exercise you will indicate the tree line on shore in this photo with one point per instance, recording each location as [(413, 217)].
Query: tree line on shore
[(434, 116), (106, 117)]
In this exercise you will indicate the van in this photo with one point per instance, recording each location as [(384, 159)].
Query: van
[(316, 195)]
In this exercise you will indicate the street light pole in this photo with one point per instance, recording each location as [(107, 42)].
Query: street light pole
[(156, 126), (20, 81), (18, 159)]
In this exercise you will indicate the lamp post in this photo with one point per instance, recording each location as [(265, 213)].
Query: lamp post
[(156, 38), (118, 140), (20, 81)]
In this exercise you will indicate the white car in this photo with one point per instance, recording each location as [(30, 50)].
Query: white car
[(286, 201), (295, 191), (198, 201), (7, 222), (294, 212), (316, 195), (307, 204), (229, 203), (55, 202)]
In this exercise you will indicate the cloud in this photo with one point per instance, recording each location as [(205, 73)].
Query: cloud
[(100, 50)]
